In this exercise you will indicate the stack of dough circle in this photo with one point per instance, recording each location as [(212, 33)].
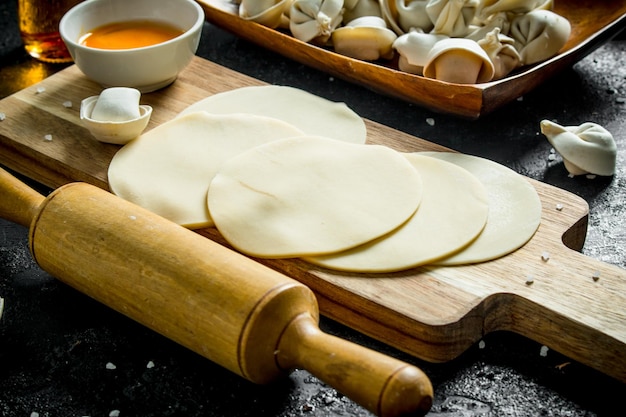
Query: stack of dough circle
[(168, 169), (311, 114), (283, 173), (311, 195), (453, 211), (514, 209)]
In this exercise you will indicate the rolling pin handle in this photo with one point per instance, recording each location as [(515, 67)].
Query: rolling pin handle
[(385, 386), (18, 202)]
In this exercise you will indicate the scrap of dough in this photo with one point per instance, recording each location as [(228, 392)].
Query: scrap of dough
[(311, 195), (452, 213), (514, 209), (312, 114), (168, 169), (117, 104)]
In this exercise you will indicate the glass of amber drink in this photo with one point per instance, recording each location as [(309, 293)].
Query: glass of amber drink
[(39, 28)]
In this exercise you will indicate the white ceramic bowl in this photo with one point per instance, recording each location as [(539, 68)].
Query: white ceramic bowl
[(146, 69)]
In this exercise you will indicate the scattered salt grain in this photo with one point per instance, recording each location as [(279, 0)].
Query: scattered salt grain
[(559, 207), (150, 365), (2, 116), (481, 344), (132, 217), (595, 277), (67, 104), (543, 352), (111, 366), (34, 414), (40, 90), (331, 79), (591, 176), (430, 121), (545, 256), (529, 280), (47, 137), (552, 155), (114, 413), (520, 98)]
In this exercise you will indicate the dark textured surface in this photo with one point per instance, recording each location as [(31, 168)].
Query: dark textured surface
[(55, 343)]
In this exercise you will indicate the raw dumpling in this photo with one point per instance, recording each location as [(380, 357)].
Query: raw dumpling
[(539, 35), (406, 15), (491, 7), (502, 53), (265, 12), (451, 17), (315, 20), (586, 149)]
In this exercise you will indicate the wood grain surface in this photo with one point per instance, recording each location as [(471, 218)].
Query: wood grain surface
[(593, 23), (434, 313)]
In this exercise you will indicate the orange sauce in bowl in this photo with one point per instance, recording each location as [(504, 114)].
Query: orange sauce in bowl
[(130, 34)]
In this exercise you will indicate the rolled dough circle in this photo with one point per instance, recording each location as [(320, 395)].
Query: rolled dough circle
[(168, 169), (514, 209), (313, 115), (452, 213), (311, 195)]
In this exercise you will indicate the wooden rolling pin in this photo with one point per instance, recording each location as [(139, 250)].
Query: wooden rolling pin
[(234, 311)]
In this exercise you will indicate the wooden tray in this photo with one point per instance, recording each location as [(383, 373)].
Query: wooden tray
[(593, 23), (432, 313)]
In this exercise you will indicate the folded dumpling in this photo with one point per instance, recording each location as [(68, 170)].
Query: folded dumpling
[(489, 7), (539, 35), (265, 12), (315, 20), (503, 54), (451, 17), (586, 149)]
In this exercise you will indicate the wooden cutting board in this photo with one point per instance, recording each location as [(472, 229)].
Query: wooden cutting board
[(434, 313)]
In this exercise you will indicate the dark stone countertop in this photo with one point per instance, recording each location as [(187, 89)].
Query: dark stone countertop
[(55, 343)]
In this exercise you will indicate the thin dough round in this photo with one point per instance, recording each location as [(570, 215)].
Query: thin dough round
[(514, 209), (313, 115), (168, 169), (311, 195), (452, 213)]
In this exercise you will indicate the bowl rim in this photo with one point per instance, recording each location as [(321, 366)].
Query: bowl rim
[(191, 31)]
